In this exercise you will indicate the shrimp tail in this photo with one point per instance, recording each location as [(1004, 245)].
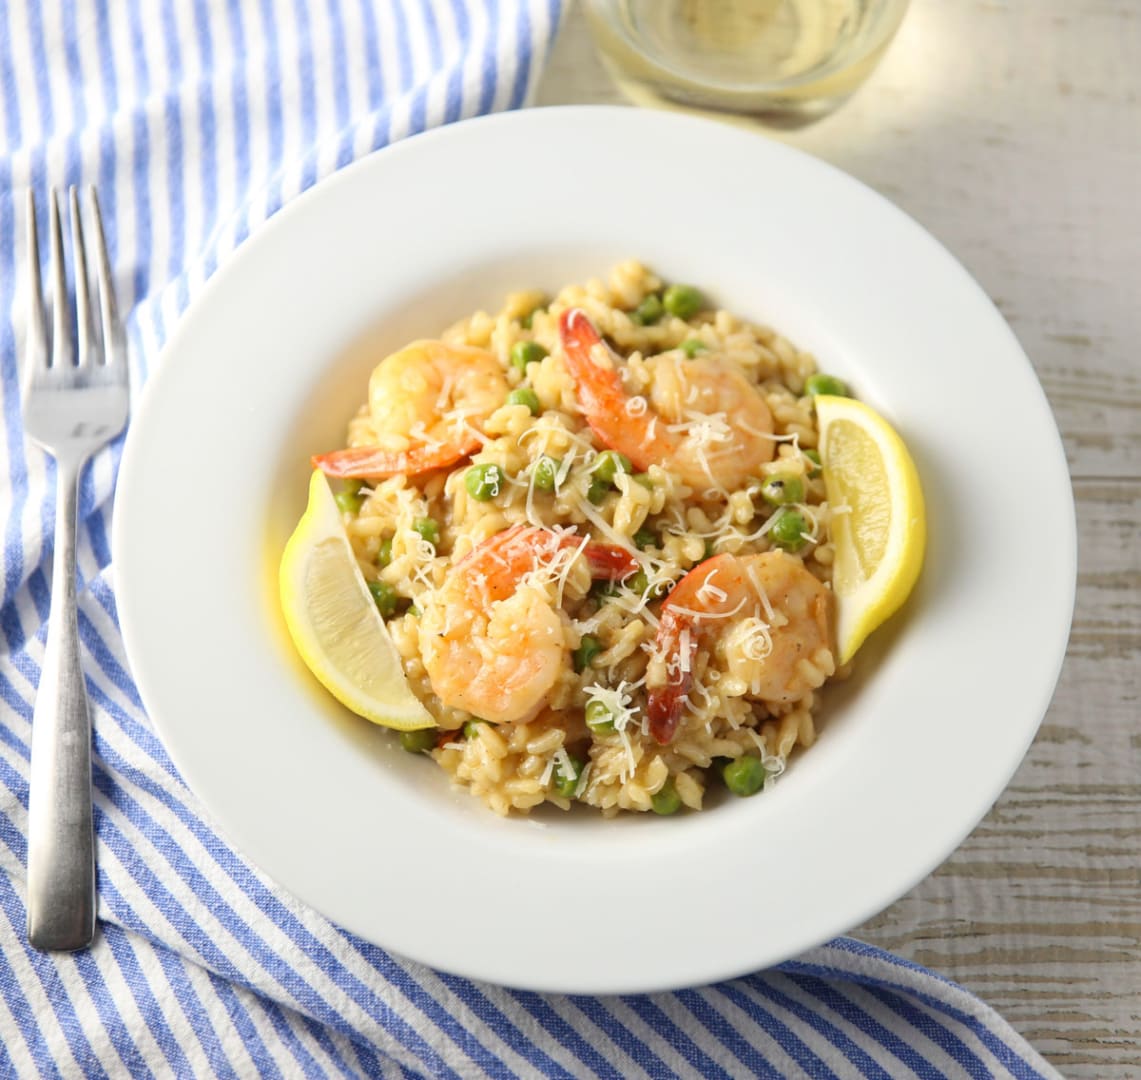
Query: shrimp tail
[(364, 461), (683, 624), (664, 709), (600, 392), (608, 561), (665, 704), (599, 389)]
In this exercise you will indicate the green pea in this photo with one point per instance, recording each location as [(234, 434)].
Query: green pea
[(565, 783), (649, 311), (349, 501), (471, 728), (385, 597), (384, 552), (428, 530), (524, 395), (824, 384), (587, 650), (710, 549), (643, 478), (667, 800), (691, 347), (645, 538), (598, 490), (684, 301), (778, 490), (484, 482), (599, 718), (814, 457), (545, 473), (352, 486), (418, 742), (526, 352), (414, 611), (744, 776), (609, 464), (788, 529), (637, 582)]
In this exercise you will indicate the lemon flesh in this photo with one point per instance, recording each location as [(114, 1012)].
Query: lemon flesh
[(879, 525), (334, 621)]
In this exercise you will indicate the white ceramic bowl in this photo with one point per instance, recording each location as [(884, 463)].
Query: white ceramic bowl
[(268, 364)]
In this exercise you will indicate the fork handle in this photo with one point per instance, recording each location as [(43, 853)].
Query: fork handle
[(61, 842)]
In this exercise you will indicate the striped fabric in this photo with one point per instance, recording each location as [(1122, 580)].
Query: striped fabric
[(197, 119)]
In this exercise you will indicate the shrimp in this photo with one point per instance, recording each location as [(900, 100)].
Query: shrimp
[(426, 403), (704, 421), (792, 608), (492, 643)]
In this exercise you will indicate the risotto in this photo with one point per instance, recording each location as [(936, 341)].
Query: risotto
[(596, 527)]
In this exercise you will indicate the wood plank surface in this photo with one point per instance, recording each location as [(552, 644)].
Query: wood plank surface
[(1012, 131)]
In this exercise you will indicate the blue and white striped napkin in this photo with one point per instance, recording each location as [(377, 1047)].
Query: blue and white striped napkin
[(197, 119)]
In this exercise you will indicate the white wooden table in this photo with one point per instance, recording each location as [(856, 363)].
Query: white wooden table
[(1011, 129)]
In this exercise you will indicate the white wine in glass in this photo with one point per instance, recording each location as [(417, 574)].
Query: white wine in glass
[(795, 59)]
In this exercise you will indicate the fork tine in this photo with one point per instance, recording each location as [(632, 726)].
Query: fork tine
[(113, 343), (37, 347), (87, 345), (61, 324)]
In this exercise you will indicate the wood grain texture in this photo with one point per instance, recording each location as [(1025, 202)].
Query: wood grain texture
[(1011, 129)]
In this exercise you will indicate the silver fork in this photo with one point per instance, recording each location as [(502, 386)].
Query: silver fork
[(75, 400)]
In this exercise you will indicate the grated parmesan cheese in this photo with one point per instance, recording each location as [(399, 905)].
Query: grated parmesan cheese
[(757, 641), (583, 777), (704, 616), (570, 561), (762, 595), (617, 702), (446, 388), (709, 591), (565, 764)]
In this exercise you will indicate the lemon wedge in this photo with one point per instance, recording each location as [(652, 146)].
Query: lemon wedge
[(881, 530), (334, 621)]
